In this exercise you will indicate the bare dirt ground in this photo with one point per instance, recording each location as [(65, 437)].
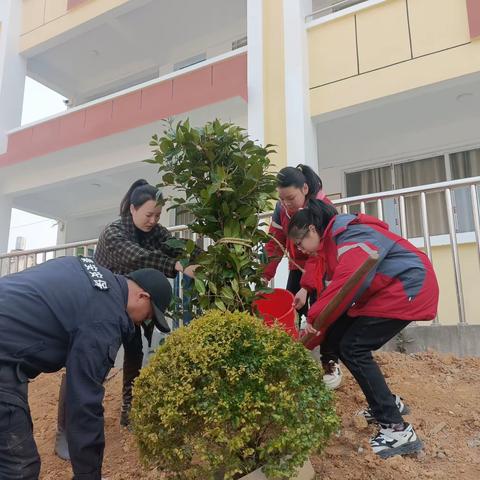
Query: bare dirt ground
[(442, 391)]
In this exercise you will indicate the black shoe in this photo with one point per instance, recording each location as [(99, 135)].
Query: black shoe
[(125, 417), (402, 408)]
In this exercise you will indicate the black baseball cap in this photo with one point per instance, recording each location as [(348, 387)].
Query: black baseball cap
[(157, 285)]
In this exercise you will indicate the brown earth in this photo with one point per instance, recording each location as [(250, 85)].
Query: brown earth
[(442, 391)]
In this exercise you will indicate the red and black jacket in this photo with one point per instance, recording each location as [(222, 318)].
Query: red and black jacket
[(402, 286)]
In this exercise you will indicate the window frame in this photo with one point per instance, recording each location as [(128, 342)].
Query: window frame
[(437, 240)]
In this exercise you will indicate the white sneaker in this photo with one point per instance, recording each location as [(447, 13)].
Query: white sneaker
[(332, 375), (390, 441)]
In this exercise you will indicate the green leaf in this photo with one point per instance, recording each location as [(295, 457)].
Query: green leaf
[(227, 293), (220, 305), (175, 243), (251, 221), (190, 246), (166, 145), (212, 287), (169, 178), (199, 286)]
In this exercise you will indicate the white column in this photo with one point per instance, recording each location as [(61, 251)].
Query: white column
[(5, 217), (62, 232), (301, 136), (256, 116), (12, 69)]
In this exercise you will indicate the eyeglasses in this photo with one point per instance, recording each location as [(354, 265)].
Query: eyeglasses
[(300, 239)]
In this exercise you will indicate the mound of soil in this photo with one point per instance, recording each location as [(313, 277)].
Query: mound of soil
[(442, 391)]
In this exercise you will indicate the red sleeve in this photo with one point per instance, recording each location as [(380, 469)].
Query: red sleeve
[(349, 262)]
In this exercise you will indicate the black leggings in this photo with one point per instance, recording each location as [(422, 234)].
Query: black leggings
[(132, 363)]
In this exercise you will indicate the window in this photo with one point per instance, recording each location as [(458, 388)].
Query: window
[(462, 164), (414, 174), (403, 175), (373, 181), (320, 8)]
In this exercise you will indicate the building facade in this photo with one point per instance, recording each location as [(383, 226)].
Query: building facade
[(376, 95)]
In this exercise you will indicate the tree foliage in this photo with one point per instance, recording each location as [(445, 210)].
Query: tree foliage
[(223, 179)]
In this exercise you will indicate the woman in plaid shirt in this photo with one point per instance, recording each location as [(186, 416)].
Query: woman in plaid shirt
[(136, 240)]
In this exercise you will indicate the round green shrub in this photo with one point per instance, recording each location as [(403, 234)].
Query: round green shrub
[(227, 395)]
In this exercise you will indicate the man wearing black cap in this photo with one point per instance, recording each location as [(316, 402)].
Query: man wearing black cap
[(71, 313)]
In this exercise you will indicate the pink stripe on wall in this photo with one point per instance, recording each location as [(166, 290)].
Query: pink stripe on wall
[(473, 8), (205, 86), (73, 3)]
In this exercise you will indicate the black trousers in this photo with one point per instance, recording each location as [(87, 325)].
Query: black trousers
[(353, 340), (133, 353), (19, 459), (132, 363), (293, 285)]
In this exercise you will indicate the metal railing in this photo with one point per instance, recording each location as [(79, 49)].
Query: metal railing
[(19, 260), (421, 192), (16, 261)]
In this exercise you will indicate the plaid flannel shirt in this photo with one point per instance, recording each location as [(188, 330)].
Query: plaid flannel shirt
[(122, 250)]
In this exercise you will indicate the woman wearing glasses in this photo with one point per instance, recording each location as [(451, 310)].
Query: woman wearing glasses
[(402, 288)]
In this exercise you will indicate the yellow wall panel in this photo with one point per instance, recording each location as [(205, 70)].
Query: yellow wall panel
[(75, 17), (443, 265), (55, 9), (274, 80), (437, 24), (332, 51), (382, 35), (416, 73), (33, 14)]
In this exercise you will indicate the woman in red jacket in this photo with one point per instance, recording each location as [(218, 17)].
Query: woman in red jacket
[(296, 186), (401, 288)]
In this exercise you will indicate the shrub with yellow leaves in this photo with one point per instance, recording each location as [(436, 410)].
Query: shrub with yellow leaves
[(227, 395)]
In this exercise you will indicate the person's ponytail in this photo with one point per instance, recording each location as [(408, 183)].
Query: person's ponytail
[(139, 192), (297, 177), (313, 181)]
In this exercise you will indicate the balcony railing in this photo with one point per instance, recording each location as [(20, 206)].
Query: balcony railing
[(376, 203)]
